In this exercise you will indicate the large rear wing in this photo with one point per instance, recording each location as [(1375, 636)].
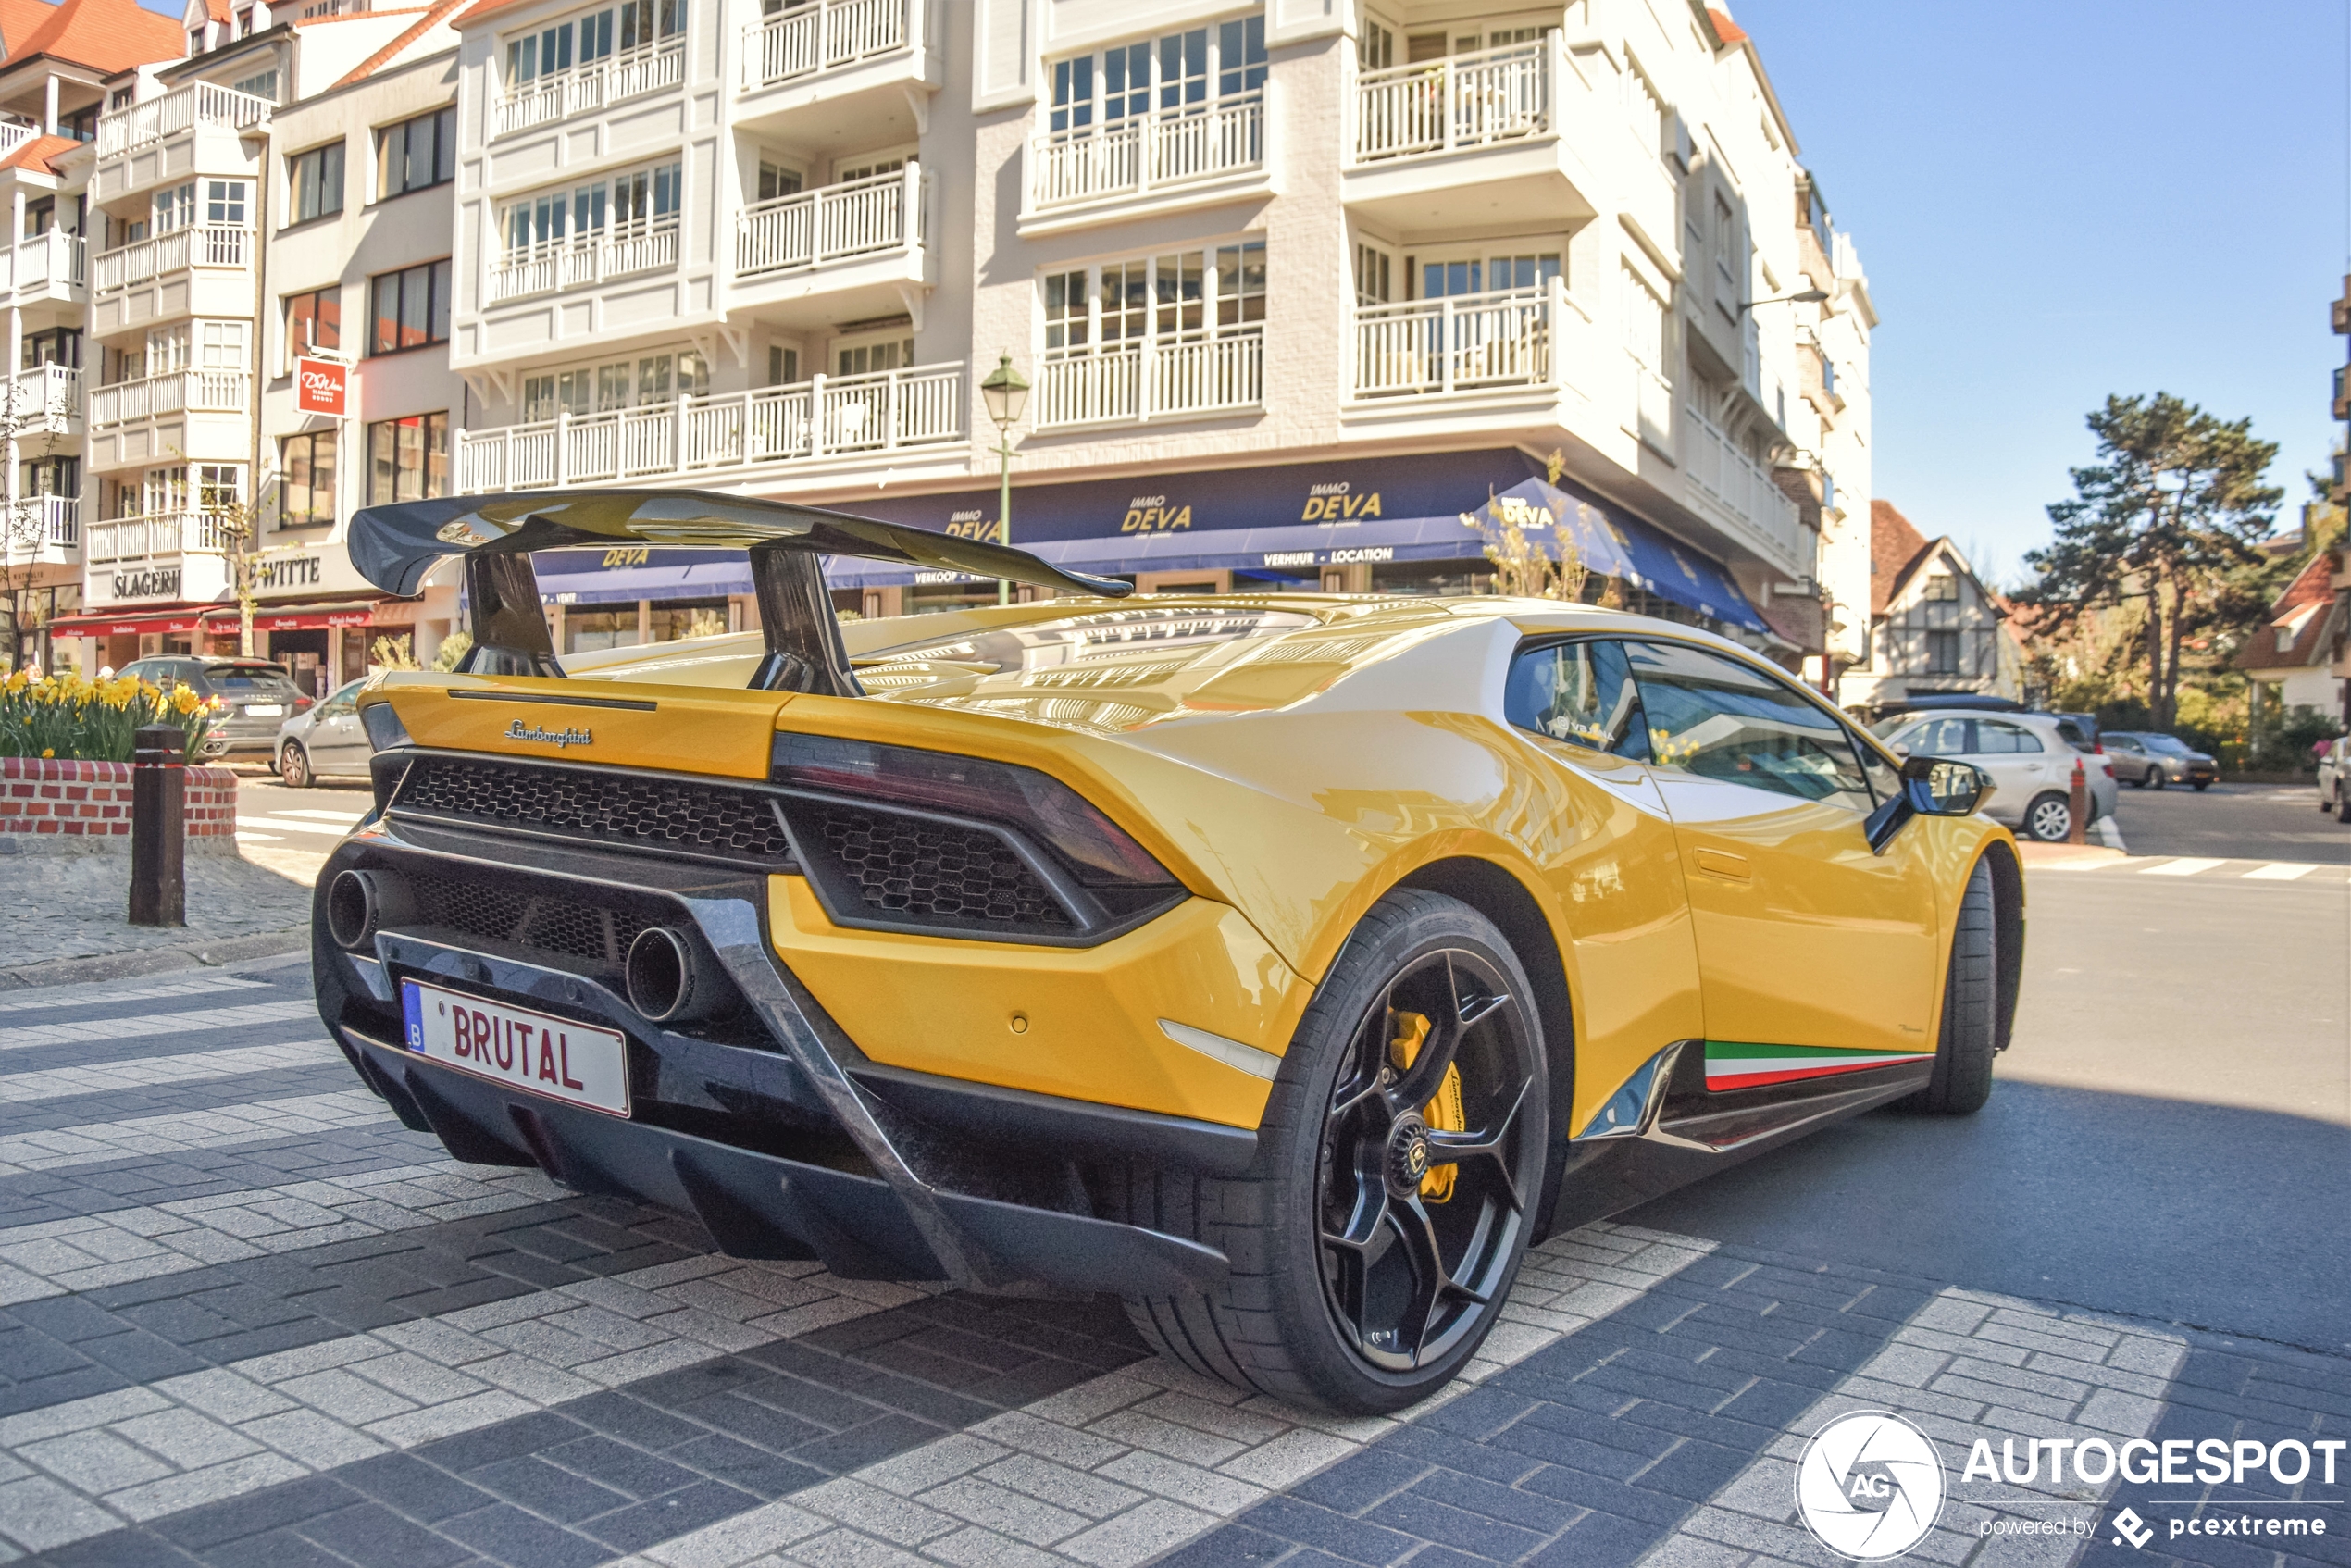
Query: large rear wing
[(395, 545)]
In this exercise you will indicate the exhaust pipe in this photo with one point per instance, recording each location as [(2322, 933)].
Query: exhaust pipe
[(360, 903), (665, 981)]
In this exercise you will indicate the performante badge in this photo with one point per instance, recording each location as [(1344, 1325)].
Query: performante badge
[(1870, 1485)]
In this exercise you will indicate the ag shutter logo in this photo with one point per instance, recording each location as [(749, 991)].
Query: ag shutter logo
[(1870, 1485)]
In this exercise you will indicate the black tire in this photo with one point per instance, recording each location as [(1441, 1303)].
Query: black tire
[(2202, 785), (1300, 1316), (1969, 1037), (2342, 803), (2044, 823), (2139, 782), (293, 766), (2157, 779)]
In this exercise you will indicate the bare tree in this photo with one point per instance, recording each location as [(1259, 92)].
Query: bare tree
[(23, 522)]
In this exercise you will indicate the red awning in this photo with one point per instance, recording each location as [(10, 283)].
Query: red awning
[(168, 618), (216, 619)]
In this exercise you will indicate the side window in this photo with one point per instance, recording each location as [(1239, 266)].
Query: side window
[(1885, 778), (1579, 693), (1941, 738), (1719, 718), (1995, 738), (343, 701)]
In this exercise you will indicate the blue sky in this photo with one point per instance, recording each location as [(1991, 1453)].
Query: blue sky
[(2058, 201)]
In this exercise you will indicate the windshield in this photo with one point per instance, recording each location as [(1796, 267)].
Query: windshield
[(269, 678)]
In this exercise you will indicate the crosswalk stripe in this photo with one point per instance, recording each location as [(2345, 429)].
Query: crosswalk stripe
[(291, 1117), (286, 824), (58, 1083), (24, 1037), (348, 818), (2183, 867), (105, 994), (2281, 871)]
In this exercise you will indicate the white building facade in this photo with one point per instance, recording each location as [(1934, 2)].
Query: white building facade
[(1296, 285)]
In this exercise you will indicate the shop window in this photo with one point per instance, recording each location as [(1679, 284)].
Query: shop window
[(408, 459), (306, 479)]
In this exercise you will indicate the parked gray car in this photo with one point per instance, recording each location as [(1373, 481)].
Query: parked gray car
[(2148, 761), (327, 739), (255, 696), (2334, 778)]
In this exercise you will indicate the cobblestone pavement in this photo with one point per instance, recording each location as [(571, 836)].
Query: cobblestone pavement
[(247, 1318), (74, 905)]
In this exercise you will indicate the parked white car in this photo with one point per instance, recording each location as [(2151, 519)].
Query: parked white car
[(324, 740), (2334, 778), (2028, 759)]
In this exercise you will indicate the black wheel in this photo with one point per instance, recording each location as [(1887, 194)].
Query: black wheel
[(2157, 779), (2048, 818), (2139, 782), (293, 765), (1969, 1037), (1377, 1235), (2341, 804)]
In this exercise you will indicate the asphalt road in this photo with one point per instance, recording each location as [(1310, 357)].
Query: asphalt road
[(2234, 822), (2170, 1135)]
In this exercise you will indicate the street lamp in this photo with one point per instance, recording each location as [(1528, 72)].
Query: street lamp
[(1805, 296), (1006, 394)]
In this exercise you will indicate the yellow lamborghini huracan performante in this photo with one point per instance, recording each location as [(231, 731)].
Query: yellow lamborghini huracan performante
[(1284, 964)]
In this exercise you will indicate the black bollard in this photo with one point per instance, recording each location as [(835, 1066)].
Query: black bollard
[(159, 827)]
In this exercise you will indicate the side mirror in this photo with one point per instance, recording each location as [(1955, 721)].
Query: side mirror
[(1931, 787), (1901, 748)]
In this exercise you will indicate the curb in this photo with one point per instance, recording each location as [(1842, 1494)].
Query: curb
[(156, 961)]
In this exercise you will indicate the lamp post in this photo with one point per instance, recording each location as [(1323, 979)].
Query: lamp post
[(1803, 296), (1007, 394)]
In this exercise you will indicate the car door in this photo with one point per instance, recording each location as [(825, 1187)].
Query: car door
[(336, 744), (2020, 764), (1612, 861), (1806, 938)]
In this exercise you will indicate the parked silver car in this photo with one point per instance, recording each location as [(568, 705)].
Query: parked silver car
[(325, 739), (2149, 761), (2031, 760), (254, 695), (2334, 778)]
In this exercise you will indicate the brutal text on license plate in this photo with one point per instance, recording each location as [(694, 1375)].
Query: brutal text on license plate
[(563, 1060)]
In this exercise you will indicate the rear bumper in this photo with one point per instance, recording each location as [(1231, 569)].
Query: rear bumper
[(775, 1131)]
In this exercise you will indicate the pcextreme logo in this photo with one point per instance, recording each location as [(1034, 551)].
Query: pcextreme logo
[(1870, 1485)]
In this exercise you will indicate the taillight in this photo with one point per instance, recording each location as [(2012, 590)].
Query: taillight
[(1098, 852), (302, 703)]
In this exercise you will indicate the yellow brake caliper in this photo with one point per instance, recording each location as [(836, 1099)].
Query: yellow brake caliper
[(1408, 1032)]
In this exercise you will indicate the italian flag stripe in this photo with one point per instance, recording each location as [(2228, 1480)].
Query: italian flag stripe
[(1736, 1064)]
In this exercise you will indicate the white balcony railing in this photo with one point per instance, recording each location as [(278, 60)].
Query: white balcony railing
[(53, 520), (583, 89), (175, 391), (598, 256), (183, 108), (50, 393), (162, 533), (827, 417), (1142, 381), (1460, 343), (210, 244), (1460, 102), (1740, 486), (1150, 152), (829, 223), (810, 36), (15, 133), (50, 257)]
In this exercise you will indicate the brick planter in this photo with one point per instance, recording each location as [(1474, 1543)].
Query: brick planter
[(46, 803)]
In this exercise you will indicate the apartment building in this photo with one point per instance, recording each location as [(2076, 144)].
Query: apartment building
[(237, 199), (51, 88), (1297, 286)]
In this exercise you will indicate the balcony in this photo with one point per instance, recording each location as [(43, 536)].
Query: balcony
[(602, 257), (165, 533), (144, 261), (176, 391), (806, 40), (1136, 384), (51, 525), (54, 264), (46, 399), (701, 437), (1501, 341), (14, 134), (613, 80), (198, 129), (812, 228), (1737, 494), (1474, 137), (1202, 152)]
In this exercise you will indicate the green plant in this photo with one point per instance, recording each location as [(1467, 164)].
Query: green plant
[(66, 717)]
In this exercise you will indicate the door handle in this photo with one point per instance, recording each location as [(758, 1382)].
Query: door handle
[(1722, 862)]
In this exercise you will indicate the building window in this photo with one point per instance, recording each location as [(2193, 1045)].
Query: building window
[(1943, 652), (783, 366), (623, 383), (220, 487), (220, 345), (174, 208), (224, 200), (408, 459), (411, 308), (314, 320), (416, 154), (314, 179), (1170, 74), (873, 357), (264, 85), (549, 51), (40, 215), (1942, 588), (1476, 275), (626, 207), (55, 345), (1374, 276), (306, 479)]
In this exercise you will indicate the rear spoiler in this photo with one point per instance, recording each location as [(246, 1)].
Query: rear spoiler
[(395, 545)]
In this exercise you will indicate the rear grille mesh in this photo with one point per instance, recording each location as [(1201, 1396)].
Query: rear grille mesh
[(521, 919), (905, 868), (710, 821)]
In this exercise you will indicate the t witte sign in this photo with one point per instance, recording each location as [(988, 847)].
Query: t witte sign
[(318, 387)]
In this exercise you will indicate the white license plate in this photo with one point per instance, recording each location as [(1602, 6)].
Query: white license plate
[(264, 710), (574, 1063)]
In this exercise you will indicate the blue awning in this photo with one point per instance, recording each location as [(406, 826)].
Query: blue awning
[(1617, 545)]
